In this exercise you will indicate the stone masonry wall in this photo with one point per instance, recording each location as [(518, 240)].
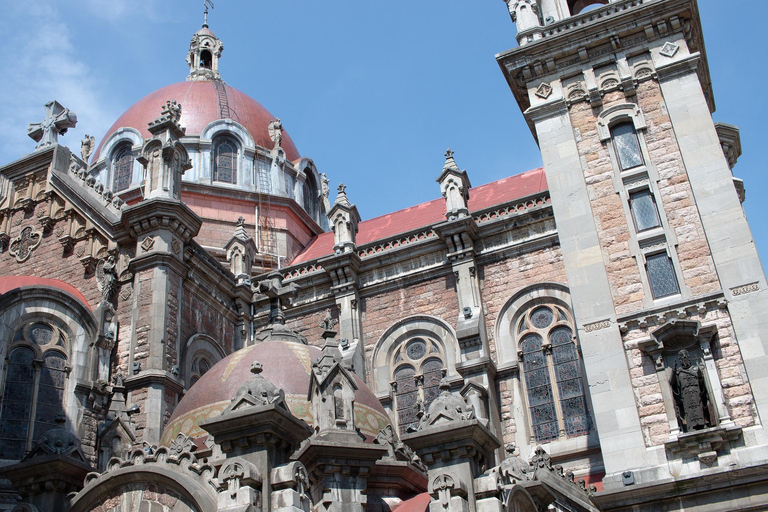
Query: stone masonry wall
[(435, 297), (677, 200)]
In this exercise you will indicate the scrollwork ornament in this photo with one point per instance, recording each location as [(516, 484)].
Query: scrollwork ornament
[(22, 246)]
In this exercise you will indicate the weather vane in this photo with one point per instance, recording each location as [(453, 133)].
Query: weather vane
[(206, 4)]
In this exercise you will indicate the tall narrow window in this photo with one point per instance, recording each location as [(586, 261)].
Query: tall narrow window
[(418, 369), (33, 394), (627, 145), (310, 195), (122, 168), (225, 160), (548, 355), (661, 275), (644, 211)]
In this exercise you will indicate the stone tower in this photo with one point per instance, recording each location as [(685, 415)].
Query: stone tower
[(658, 253)]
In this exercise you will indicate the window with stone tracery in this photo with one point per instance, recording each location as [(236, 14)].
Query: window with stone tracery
[(552, 374), (33, 387), (200, 365), (225, 160), (122, 168), (418, 365)]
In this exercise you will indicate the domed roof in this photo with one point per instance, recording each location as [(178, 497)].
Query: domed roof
[(200, 105), (285, 364)]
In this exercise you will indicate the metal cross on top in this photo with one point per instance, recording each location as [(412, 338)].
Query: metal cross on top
[(206, 5), (271, 289), (57, 121)]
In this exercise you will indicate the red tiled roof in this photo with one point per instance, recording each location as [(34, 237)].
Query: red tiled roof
[(419, 503), (431, 212), (8, 283)]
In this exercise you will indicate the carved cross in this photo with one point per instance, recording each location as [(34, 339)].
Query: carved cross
[(443, 485), (448, 153), (271, 289), (57, 121)]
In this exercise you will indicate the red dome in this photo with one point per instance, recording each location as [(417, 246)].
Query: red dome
[(199, 107), (287, 365)]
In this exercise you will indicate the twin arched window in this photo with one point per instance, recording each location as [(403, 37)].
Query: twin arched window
[(122, 167), (418, 367), (552, 373), (33, 387), (225, 151)]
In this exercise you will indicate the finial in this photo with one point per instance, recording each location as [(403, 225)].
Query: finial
[(342, 188), (256, 367), (448, 153), (206, 4), (240, 221)]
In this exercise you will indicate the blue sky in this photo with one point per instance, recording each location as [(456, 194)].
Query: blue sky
[(374, 92)]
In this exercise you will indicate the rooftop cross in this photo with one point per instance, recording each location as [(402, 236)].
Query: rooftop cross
[(57, 121), (206, 4), (279, 296)]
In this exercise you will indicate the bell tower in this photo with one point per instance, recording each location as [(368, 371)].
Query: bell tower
[(204, 53), (654, 239)]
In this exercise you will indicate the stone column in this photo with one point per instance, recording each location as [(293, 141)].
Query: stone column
[(616, 417)]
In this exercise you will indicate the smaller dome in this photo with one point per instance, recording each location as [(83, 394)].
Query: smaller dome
[(287, 365)]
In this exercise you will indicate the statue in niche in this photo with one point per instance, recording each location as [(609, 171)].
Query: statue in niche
[(690, 392)]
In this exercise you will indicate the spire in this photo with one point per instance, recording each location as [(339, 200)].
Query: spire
[(454, 185), (206, 4), (344, 219)]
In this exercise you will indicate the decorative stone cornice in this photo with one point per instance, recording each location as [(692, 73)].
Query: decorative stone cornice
[(161, 213)]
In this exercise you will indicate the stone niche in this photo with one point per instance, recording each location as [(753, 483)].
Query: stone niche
[(699, 422)]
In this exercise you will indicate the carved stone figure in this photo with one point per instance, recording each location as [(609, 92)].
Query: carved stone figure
[(690, 391), (106, 277), (86, 146), (276, 132), (328, 322)]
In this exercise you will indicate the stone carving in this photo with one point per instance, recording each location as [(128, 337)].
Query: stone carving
[(445, 408), (23, 245), (596, 326), (443, 485), (106, 277), (544, 90), (148, 243), (669, 49), (57, 121), (86, 146), (118, 378), (257, 391), (691, 398), (181, 444), (57, 440), (328, 322), (747, 288), (398, 450), (241, 482), (276, 132)]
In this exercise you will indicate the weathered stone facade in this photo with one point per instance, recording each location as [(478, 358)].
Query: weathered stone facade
[(209, 331)]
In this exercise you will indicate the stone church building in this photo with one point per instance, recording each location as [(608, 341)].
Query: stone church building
[(191, 321)]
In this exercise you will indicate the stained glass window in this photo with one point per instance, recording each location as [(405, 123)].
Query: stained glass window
[(643, 209), (418, 370), (432, 370), (17, 403), (33, 395), (406, 396), (565, 360), (122, 168), (225, 161), (627, 146), (539, 389), (50, 393), (661, 275), (562, 408)]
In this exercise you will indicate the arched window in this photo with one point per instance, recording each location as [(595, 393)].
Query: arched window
[(33, 388), (627, 145), (310, 195), (225, 160), (206, 59), (552, 373), (122, 168), (418, 367), (200, 365)]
